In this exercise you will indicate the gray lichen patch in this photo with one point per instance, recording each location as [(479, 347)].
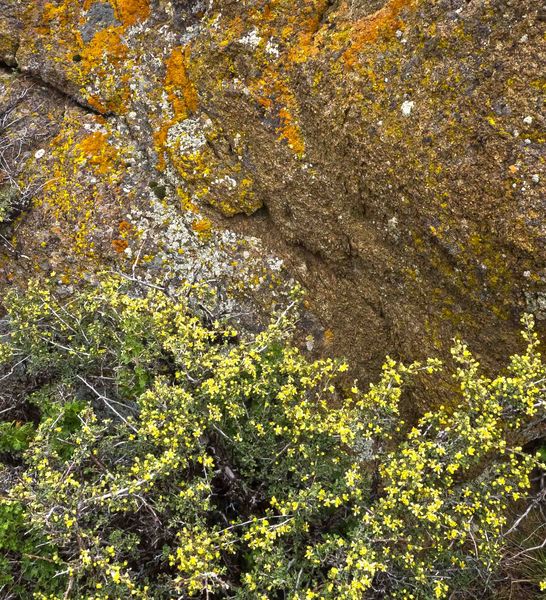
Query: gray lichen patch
[(100, 15)]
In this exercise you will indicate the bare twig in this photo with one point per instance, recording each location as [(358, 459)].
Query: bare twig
[(108, 403)]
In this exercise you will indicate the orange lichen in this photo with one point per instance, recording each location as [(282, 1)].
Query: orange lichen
[(180, 90), (267, 103), (97, 152), (119, 245), (124, 228), (131, 12), (160, 142), (296, 32), (328, 337), (274, 95), (128, 12), (105, 45), (182, 96), (202, 227), (291, 132), (306, 46), (105, 58), (95, 103), (369, 29)]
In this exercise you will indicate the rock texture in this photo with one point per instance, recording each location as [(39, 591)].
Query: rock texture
[(391, 151)]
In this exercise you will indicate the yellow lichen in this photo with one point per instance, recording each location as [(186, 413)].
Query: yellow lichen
[(79, 183)]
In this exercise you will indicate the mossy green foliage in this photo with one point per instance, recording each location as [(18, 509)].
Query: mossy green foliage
[(27, 560), (174, 456), (9, 202)]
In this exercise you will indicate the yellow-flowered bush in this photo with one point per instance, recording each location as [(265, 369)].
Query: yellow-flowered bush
[(166, 454)]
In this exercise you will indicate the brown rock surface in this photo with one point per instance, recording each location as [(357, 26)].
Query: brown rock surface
[(390, 150)]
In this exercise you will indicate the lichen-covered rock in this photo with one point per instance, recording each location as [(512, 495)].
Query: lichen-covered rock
[(394, 147)]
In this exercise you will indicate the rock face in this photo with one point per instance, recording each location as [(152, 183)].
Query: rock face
[(391, 151)]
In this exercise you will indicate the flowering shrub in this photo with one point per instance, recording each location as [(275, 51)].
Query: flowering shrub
[(164, 454)]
